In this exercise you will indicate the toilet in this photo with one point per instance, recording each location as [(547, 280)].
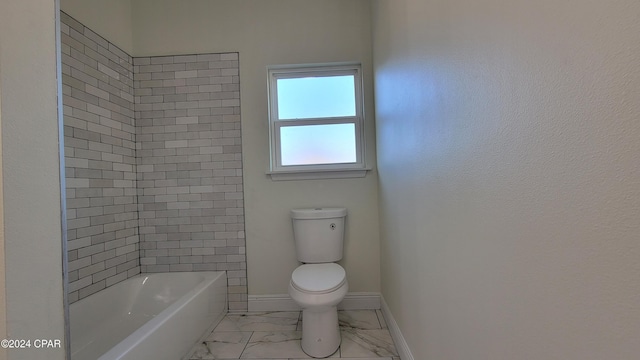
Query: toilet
[(319, 284)]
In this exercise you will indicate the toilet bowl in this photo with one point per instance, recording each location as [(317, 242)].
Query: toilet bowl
[(317, 289), (319, 284)]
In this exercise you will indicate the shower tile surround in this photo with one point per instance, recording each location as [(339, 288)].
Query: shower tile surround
[(190, 167), (102, 211), (153, 164)]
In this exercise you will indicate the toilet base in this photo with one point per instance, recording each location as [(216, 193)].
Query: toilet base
[(320, 331)]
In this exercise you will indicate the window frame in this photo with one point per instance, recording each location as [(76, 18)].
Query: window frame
[(315, 171)]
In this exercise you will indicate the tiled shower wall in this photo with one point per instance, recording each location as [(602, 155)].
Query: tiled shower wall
[(190, 167), (102, 217), (179, 152)]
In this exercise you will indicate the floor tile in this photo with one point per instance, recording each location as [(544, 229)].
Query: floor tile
[(364, 358), (267, 321), (358, 358), (383, 322), (273, 336), (361, 358), (366, 343), (359, 319), (274, 344), (222, 345)]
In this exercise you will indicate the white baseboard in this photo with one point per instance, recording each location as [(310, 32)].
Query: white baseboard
[(272, 303), (282, 302), (360, 301), (396, 334)]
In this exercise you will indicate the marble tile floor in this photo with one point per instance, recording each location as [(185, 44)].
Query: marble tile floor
[(276, 336)]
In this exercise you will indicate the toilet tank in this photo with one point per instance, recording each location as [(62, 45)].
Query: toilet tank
[(318, 234)]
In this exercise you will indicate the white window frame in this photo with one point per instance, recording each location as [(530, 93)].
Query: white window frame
[(315, 171)]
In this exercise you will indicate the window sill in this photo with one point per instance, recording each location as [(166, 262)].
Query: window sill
[(317, 174)]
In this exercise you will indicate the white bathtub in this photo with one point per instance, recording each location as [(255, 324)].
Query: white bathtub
[(150, 316)]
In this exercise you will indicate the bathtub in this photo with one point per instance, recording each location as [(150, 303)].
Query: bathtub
[(150, 316)]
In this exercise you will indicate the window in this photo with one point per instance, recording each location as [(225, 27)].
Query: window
[(316, 122)]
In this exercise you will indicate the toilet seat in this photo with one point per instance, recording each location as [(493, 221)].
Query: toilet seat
[(318, 278)]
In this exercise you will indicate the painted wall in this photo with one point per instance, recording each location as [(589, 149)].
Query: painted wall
[(109, 18), (508, 141), (270, 32), (31, 176), (3, 302)]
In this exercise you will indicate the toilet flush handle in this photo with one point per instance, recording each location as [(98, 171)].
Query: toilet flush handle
[(332, 226)]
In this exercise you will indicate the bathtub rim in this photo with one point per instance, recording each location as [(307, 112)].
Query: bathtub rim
[(142, 333)]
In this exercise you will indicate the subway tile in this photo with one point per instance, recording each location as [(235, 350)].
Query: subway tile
[(115, 279), (150, 68), (198, 81), (188, 184), (197, 65), (181, 267), (163, 75), (174, 82), (79, 36), (162, 60), (186, 74), (208, 57), (90, 270), (229, 56), (141, 61)]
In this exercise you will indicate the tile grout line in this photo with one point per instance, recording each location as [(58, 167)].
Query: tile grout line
[(378, 318), (245, 345)]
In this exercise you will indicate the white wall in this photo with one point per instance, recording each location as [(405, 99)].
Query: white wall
[(30, 176), (508, 142), (3, 303), (109, 18), (269, 32)]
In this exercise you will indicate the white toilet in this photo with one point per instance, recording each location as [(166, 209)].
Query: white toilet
[(319, 284)]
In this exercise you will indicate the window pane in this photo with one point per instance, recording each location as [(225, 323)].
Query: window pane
[(316, 97), (318, 144)]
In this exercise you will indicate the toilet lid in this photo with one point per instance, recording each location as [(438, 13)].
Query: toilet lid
[(318, 278)]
